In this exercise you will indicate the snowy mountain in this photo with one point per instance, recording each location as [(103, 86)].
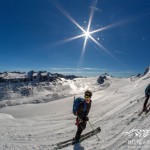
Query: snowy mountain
[(147, 71), (33, 87), (115, 107)]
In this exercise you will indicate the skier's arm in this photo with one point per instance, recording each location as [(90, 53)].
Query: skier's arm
[(80, 112), (88, 110), (80, 116)]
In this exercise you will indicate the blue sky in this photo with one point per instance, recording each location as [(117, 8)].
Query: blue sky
[(34, 36)]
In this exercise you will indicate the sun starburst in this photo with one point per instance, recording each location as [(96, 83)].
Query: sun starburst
[(87, 34)]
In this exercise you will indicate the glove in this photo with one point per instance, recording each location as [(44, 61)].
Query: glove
[(85, 118)]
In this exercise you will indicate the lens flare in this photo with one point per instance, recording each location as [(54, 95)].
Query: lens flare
[(87, 34)]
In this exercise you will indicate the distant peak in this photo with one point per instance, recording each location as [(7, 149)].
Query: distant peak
[(147, 70), (105, 74)]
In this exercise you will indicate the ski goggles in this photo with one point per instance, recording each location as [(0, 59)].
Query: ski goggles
[(87, 97)]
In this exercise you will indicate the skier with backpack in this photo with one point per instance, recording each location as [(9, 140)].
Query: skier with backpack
[(147, 95), (81, 108)]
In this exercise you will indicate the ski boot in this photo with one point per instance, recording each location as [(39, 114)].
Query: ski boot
[(74, 141)]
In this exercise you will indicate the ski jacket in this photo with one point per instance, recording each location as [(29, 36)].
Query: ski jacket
[(80, 112), (147, 90)]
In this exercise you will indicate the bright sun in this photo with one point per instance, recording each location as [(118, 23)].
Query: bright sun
[(87, 34)]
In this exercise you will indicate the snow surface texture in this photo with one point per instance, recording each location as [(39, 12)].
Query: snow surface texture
[(115, 109)]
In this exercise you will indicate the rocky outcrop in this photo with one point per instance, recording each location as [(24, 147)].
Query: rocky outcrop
[(41, 76), (102, 78), (147, 70)]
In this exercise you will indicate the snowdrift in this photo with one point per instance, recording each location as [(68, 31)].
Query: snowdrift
[(5, 116)]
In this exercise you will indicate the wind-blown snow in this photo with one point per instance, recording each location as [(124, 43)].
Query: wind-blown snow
[(5, 116), (115, 109)]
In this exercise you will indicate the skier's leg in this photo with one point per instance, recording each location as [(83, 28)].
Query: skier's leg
[(78, 135), (145, 103), (81, 127)]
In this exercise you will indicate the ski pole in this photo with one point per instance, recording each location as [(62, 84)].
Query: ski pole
[(91, 127), (93, 130)]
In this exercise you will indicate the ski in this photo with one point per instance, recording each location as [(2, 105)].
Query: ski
[(66, 143), (148, 109), (139, 114), (143, 112), (147, 113), (95, 131)]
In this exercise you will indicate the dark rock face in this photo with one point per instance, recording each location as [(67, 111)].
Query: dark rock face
[(41, 76), (147, 70), (101, 79), (139, 75), (24, 84), (1, 79)]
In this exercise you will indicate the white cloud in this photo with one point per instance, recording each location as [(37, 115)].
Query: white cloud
[(79, 69), (122, 52)]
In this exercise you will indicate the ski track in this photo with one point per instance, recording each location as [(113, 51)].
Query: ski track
[(114, 109)]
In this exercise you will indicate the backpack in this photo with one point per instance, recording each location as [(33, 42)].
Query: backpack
[(147, 90), (76, 103)]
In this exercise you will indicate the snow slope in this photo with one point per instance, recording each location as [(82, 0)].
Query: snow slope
[(115, 109)]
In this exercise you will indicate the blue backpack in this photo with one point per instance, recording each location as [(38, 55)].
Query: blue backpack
[(76, 103)]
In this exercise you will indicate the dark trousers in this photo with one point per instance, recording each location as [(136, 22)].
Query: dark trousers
[(80, 127), (146, 100)]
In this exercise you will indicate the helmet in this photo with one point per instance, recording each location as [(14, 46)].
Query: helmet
[(88, 93)]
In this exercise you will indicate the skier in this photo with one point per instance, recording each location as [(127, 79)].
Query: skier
[(82, 115), (147, 95)]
